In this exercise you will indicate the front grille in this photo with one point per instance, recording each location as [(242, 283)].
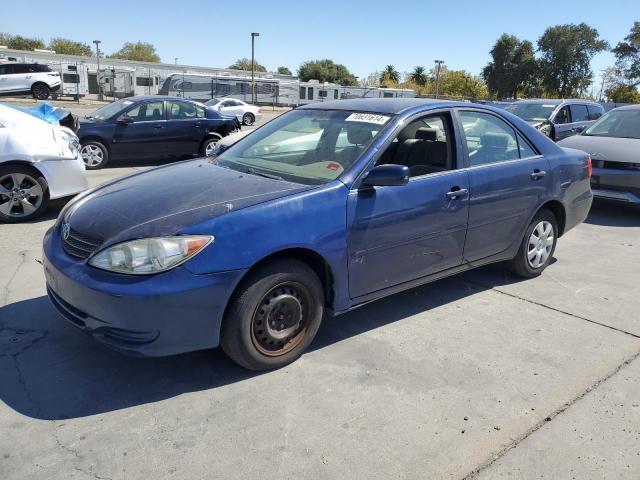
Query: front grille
[(79, 245)]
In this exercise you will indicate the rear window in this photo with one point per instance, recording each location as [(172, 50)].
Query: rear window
[(579, 113), (595, 111)]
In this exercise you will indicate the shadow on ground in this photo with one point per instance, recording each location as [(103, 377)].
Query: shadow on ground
[(613, 214), (50, 370)]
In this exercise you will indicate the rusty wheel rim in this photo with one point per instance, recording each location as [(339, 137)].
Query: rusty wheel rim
[(281, 318)]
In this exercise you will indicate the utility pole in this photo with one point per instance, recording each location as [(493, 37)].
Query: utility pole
[(253, 65), (438, 64), (97, 42), (175, 60)]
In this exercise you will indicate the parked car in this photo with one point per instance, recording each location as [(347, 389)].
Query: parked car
[(614, 144), (28, 78), (250, 251), (38, 162), (151, 127), (51, 114), (244, 112), (557, 119)]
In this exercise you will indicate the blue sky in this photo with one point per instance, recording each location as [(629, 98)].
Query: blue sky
[(364, 35)]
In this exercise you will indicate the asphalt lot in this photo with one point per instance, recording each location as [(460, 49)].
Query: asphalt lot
[(480, 375)]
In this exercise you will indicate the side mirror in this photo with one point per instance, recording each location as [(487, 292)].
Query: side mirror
[(125, 120), (387, 176)]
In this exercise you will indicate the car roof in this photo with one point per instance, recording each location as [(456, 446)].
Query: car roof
[(634, 106), (156, 97), (379, 105), (554, 101)]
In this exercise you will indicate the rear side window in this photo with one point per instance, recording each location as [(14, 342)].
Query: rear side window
[(579, 113), (36, 67), (489, 139), (595, 111), (21, 68)]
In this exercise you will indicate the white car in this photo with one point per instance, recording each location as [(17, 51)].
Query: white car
[(245, 113), (39, 162), (28, 78)]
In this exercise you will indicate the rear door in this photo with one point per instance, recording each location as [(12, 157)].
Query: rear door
[(579, 118), (507, 179), (144, 136), (186, 127)]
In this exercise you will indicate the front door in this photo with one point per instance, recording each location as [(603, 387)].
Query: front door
[(507, 179), (562, 123), (402, 233), (140, 132)]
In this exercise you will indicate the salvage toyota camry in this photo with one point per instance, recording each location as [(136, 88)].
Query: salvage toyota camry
[(323, 209)]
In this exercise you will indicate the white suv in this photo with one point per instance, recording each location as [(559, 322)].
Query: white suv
[(28, 78)]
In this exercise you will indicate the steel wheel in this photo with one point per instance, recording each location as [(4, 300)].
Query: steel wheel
[(92, 155), (20, 195), (281, 319), (540, 244)]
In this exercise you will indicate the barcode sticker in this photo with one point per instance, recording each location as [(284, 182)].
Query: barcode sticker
[(368, 118)]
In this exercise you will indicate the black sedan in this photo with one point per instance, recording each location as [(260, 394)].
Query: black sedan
[(151, 127)]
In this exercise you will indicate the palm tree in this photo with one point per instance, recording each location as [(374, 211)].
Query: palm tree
[(419, 76), (389, 74)]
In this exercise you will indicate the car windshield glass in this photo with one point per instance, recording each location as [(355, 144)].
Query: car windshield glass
[(110, 110), (531, 112), (305, 146), (617, 123)]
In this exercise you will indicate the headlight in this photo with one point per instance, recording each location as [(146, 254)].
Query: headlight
[(149, 255)]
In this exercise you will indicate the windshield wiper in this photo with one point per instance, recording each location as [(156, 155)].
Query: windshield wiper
[(251, 171)]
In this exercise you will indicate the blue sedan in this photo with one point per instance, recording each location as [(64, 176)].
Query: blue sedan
[(151, 127), (323, 209)]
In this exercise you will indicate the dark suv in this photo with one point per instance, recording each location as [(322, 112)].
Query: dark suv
[(28, 78), (557, 119)]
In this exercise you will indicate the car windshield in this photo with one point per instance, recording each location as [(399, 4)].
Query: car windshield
[(531, 112), (305, 146), (617, 123), (110, 110)]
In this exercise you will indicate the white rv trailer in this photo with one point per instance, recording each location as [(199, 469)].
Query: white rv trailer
[(376, 92), (147, 82), (75, 82)]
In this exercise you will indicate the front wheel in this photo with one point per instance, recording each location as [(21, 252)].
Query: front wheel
[(274, 315), (24, 194), (40, 91), (537, 247), (94, 155)]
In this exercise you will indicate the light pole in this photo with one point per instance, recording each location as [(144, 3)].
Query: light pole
[(97, 42), (438, 64), (253, 65), (175, 60)]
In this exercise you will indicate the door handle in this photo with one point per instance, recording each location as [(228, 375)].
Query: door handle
[(158, 127), (538, 174), (457, 192)]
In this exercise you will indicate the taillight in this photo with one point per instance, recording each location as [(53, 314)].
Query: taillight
[(589, 165)]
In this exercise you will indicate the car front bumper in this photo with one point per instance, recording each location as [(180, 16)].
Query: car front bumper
[(64, 177), (616, 184), (150, 315)]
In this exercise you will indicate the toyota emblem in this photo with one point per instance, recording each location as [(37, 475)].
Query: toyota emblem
[(66, 229)]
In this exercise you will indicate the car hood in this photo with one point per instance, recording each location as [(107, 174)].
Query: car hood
[(168, 199), (625, 150)]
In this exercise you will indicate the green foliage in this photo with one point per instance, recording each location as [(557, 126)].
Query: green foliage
[(18, 42), (512, 66), (389, 77), (326, 71), (565, 58), (69, 47), (419, 76), (628, 55), (245, 64), (139, 51), (284, 71), (623, 93)]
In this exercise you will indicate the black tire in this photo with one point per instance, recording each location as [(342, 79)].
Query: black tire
[(40, 91), (207, 142), (248, 119), (92, 161), (520, 264), (16, 212), (281, 288)]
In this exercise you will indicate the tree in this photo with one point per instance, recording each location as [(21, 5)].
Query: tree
[(69, 47), (371, 80), (17, 42), (139, 51), (628, 55), (284, 71), (419, 76), (326, 71), (245, 64), (622, 93), (511, 68), (566, 52), (390, 76)]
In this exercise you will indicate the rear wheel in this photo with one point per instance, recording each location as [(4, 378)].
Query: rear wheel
[(94, 154), (537, 247), (209, 146), (24, 193), (274, 315), (40, 91), (248, 119)]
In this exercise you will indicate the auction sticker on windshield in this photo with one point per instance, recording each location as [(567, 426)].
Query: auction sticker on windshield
[(367, 118)]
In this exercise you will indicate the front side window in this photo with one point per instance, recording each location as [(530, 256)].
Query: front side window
[(617, 123), (562, 116), (489, 139), (579, 113), (305, 146)]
